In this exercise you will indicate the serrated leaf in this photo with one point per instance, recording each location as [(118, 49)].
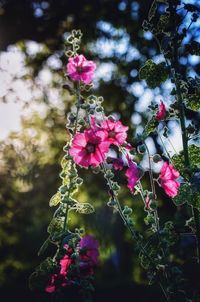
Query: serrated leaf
[(151, 126), (194, 155), (153, 73), (152, 10), (183, 196), (55, 200), (84, 208), (56, 225)]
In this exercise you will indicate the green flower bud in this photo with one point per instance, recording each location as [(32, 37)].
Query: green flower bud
[(81, 122), (115, 186), (99, 109), (85, 106), (79, 181), (109, 174), (154, 204), (127, 210), (141, 149), (157, 158), (63, 189), (100, 99), (111, 202)]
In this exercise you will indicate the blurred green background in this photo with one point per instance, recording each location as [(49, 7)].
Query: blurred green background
[(32, 35)]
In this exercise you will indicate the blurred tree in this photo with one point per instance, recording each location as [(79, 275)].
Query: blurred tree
[(30, 159)]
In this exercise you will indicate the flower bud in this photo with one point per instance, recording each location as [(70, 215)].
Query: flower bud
[(154, 204), (127, 210), (141, 149), (63, 189), (99, 109), (115, 186), (111, 202), (79, 181), (109, 174), (157, 158)]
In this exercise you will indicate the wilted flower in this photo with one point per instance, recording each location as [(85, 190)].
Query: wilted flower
[(118, 163), (168, 179), (132, 174), (160, 115), (80, 69)]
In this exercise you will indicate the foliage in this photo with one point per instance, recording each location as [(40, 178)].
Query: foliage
[(44, 160)]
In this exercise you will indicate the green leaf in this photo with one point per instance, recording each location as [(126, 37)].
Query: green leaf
[(56, 225), (39, 279), (55, 200), (84, 208), (151, 126), (194, 155), (183, 196), (193, 101), (152, 10), (153, 73)]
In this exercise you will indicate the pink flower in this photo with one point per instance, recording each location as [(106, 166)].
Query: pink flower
[(132, 174), (168, 176), (80, 69), (65, 263), (50, 288), (160, 115), (116, 132), (56, 280), (89, 148), (90, 250)]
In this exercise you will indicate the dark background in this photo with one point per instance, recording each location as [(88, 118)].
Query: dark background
[(30, 163)]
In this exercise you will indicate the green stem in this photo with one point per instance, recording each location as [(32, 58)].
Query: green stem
[(74, 132)]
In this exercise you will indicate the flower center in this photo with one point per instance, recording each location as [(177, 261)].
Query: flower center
[(90, 148), (111, 134), (79, 69)]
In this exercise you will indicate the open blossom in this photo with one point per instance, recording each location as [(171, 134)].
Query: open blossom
[(168, 179), (161, 114), (59, 279), (90, 251), (89, 148), (132, 174), (80, 69), (65, 263), (116, 132)]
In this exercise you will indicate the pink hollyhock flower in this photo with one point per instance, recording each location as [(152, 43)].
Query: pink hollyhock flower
[(51, 287), (56, 280), (116, 132), (90, 251), (80, 69), (168, 176), (65, 263), (160, 115), (89, 148), (118, 164), (132, 174)]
